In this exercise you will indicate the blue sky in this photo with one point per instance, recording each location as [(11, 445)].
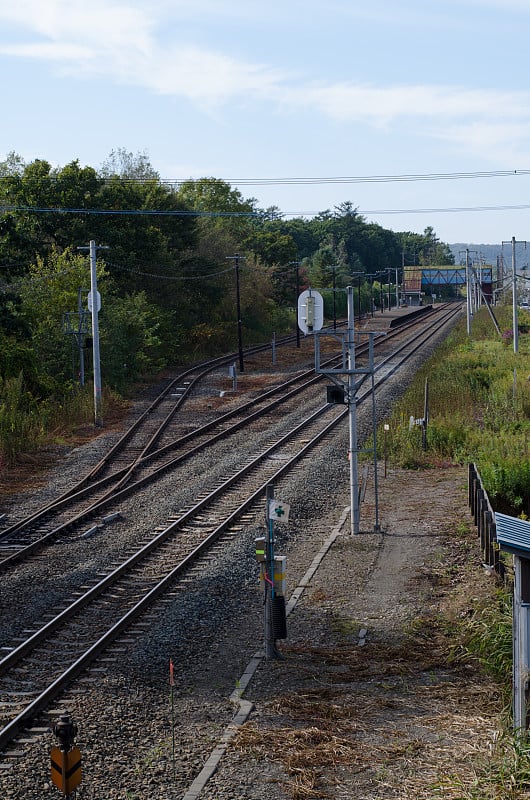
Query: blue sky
[(300, 89)]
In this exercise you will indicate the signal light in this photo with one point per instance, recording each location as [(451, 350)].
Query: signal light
[(336, 395)]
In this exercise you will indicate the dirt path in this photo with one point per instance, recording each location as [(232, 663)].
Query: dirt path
[(367, 702)]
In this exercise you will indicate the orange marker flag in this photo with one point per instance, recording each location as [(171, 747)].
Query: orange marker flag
[(171, 678)]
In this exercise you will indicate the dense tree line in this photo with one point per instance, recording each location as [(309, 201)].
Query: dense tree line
[(166, 262)]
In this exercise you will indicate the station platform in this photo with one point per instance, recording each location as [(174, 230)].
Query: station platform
[(382, 321)]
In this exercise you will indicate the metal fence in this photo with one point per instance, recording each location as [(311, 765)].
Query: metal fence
[(484, 519)]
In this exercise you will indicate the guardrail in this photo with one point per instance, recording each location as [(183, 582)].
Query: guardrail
[(484, 519)]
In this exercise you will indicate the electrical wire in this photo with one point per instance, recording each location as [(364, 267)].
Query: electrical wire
[(130, 212), (431, 176), (314, 180)]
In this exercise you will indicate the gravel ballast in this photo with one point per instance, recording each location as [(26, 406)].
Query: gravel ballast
[(125, 710)]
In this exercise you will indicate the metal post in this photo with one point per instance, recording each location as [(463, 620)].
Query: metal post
[(352, 408), (95, 335), (468, 294), (270, 648), (334, 268), (515, 318), (377, 527), (80, 335), (297, 264), (236, 259), (239, 328), (425, 416), (514, 301), (521, 649)]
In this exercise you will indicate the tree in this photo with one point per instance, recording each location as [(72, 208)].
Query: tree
[(50, 291), (130, 166), (132, 340), (424, 249)]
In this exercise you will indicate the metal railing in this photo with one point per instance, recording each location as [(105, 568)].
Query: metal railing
[(484, 519)]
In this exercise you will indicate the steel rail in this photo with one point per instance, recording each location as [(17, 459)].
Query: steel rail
[(56, 687), (120, 477)]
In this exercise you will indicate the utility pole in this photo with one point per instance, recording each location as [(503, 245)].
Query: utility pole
[(236, 259), (334, 268), (468, 294), (345, 391), (95, 335), (515, 316), (94, 304), (296, 264)]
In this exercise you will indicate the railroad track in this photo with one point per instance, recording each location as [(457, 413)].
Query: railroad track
[(140, 438), (110, 480), (35, 671)]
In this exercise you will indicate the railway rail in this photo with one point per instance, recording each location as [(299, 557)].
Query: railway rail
[(35, 671), (127, 466)]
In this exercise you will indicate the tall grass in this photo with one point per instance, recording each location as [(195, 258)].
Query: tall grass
[(26, 424), (479, 410), (20, 420)]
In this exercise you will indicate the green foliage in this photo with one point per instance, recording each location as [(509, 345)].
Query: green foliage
[(487, 637), (166, 277), (132, 346), (20, 422), (50, 291), (479, 410)]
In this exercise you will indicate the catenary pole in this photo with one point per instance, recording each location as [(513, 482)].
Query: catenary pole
[(94, 302), (468, 294), (237, 258), (514, 301), (515, 316), (95, 335)]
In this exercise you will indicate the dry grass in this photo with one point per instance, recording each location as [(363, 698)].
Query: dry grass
[(396, 719)]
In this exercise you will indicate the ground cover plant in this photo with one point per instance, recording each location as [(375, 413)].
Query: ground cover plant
[(478, 410)]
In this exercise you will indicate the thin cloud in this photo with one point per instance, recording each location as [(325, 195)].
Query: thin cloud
[(61, 52), (119, 42), (77, 22), (350, 102), (504, 142)]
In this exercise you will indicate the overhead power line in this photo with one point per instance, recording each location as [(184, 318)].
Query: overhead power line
[(316, 180), (430, 176), (129, 212), (449, 210)]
